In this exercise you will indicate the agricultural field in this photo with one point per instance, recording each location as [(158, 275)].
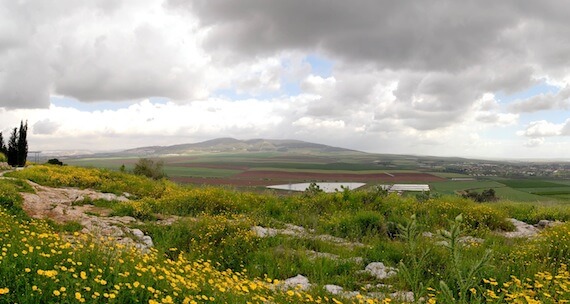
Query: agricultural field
[(256, 170), (268, 168)]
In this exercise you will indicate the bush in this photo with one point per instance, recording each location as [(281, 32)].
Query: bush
[(55, 161), (149, 168), (3, 158)]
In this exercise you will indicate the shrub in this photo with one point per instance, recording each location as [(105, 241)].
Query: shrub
[(55, 161), (149, 168)]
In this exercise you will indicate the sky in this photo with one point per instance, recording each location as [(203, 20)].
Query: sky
[(484, 79)]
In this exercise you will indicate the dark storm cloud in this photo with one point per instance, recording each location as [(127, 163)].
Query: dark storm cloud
[(435, 35)]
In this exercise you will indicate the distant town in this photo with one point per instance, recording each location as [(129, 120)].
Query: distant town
[(507, 169)]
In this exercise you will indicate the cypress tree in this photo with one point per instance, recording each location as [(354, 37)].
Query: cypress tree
[(13, 148), (22, 151), (3, 148)]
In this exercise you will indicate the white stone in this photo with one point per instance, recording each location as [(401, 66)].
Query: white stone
[(298, 281), (264, 232), (333, 289), (380, 271), (138, 233), (148, 241), (522, 229)]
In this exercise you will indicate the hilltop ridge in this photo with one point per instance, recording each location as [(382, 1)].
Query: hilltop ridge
[(228, 144)]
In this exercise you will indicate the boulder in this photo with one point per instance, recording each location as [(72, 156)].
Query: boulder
[(298, 281), (333, 289), (522, 229), (380, 271), (263, 232)]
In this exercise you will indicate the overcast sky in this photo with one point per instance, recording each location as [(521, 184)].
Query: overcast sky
[(486, 79)]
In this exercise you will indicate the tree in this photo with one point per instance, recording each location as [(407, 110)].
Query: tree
[(485, 196), (55, 161), (22, 144), (149, 168), (13, 148), (3, 148)]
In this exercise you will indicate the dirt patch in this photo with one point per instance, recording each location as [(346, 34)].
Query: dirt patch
[(212, 166), (352, 177)]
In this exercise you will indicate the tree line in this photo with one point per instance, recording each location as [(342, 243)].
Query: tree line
[(16, 151)]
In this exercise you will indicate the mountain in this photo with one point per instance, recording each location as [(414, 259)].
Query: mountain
[(236, 145)]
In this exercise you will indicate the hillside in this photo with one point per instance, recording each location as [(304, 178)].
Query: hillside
[(120, 238), (237, 146)]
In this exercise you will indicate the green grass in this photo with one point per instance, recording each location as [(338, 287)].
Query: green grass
[(450, 187), (530, 183), (216, 225), (507, 193)]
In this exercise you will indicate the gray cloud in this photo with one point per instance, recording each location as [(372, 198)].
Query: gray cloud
[(445, 35), (560, 100), (101, 50), (444, 55), (398, 65)]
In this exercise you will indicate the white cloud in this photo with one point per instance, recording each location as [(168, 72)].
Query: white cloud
[(400, 82), (541, 128), (45, 126)]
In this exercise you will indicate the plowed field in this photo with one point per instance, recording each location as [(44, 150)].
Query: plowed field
[(265, 178)]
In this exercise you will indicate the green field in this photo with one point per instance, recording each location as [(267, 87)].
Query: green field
[(226, 166), (451, 187), (530, 183)]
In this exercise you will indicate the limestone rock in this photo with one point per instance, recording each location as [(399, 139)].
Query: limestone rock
[(298, 281), (522, 229), (547, 224), (380, 271), (264, 232), (138, 233), (334, 289)]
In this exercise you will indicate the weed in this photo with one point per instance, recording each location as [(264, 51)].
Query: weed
[(412, 270), (464, 274)]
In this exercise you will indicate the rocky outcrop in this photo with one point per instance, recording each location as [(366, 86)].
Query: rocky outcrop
[(522, 229), (59, 205)]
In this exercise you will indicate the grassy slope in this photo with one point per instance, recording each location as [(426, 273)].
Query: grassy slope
[(216, 224)]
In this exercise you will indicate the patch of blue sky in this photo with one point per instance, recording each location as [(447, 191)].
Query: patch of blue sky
[(542, 88), (62, 101), (290, 88), (319, 65), (552, 116)]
